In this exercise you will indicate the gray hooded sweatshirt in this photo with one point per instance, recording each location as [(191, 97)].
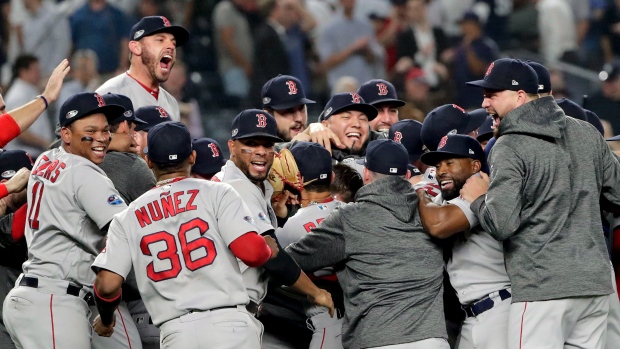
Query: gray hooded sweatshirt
[(389, 269), (548, 172)]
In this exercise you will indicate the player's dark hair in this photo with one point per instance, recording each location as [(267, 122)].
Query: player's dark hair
[(114, 127), (171, 167), (22, 62), (319, 186), (346, 182)]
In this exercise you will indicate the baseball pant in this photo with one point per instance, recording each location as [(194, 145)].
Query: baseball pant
[(47, 317), (125, 334), (326, 331), (613, 320), (219, 329), (560, 323), (430, 343), (488, 330), (149, 333)]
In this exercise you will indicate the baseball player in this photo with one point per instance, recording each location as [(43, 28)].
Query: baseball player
[(285, 99), (70, 205), (381, 94), (18, 120), (315, 166), (347, 181), (541, 215), (209, 158), (152, 115), (152, 46), (182, 238), (476, 266), (253, 136)]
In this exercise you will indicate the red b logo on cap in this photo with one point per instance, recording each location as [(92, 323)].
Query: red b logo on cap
[(262, 120), (214, 150), (355, 98), (166, 21), (489, 69), (100, 100), (162, 112), (383, 90), (398, 136), (442, 143), (457, 107), (292, 87)]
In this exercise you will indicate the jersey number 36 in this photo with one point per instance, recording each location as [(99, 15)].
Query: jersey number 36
[(171, 252)]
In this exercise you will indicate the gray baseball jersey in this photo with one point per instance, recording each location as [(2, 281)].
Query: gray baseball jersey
[(126, 85), (69, 200), (259, 204), (176, 236)]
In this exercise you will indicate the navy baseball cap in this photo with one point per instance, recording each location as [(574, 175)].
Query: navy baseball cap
[(84, 104), (169, 142), (387, 157), (209, 158), (283, 92), (151, 115), (12, 161), (455, 146), (572, 109), (509, 74), (158, 24), (407, 132), (379, 91), (448, 119), (485, 131), (125, 102), (544, 79), (254, 123), (313, 161), (595, 121), (346, 101)]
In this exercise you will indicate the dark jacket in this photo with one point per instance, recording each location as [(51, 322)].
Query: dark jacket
[(406, 45), (548, 172), (390, 270)]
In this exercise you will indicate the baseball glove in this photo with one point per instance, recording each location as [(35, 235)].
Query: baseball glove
[(284, 172)]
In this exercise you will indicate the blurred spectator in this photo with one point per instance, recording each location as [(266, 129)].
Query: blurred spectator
[(322, 11), (297, 40), (26, 78), (235, 47), (494, 14), (345, 84), (189, 108), (557, 30), (581, 17), (347, 47), (420, 44), (606, 102), (610, 41), (85, 76), (416, 96), (47, 35), (470, 60), (387, 26), (104, 29), (447, 14), (523, 25)]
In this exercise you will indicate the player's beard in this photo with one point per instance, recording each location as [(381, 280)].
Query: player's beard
[(455, 191), (151, 63), (245, 168)]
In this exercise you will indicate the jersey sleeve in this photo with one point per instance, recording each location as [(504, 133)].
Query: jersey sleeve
[(295, 228), (95, 193), (255, 203), (233, 216), (116, 256), (464, 206)]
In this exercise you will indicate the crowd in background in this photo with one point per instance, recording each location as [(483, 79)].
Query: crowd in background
[(427, 48)]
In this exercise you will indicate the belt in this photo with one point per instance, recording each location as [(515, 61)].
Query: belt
[(485, 304), (253, 308), (71, 289), (212, 309)]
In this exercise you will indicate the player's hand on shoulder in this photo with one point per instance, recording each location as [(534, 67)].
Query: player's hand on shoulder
[(19, 181), (273, 245), (103, 330), (323, 299), (476, 186)]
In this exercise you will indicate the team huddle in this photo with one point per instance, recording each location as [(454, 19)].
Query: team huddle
[(357, 227)]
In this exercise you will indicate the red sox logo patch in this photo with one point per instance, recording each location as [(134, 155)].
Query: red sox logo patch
[(262, 120), (356, 98), (214, 150), (383, 89), (162, 112), (442, 143), (166, 21), (489, 69), (100, 100), (457, 107), (292, 87), (398, 136)]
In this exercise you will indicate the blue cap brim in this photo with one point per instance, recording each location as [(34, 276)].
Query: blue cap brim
[(396, 102), (434, 157), (291, 104), (614, 138), (259, 134), (485, 84)]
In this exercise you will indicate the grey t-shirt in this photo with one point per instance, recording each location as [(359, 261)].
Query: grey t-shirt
[(129, 173), (226, 15)]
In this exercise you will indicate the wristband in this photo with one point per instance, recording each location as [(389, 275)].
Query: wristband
[(43, 98), (3, 191)]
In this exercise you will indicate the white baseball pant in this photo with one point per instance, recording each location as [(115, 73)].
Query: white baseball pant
[(488, 330), (125, 334), (326, 331), (430, 343)]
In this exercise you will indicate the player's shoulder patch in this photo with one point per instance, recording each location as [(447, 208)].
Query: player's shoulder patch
[(249, 220), (262, 217), (322, 207), (115, 200)]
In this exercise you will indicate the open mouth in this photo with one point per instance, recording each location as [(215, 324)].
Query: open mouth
[(355, 136), (447, 184), (259, 166), (165, 62), (296, 129), (98, 151), (383, 128)]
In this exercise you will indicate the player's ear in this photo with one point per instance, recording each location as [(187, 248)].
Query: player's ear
[(192, 158), (333, 176), (65, 134), (148, 161), (231, 148), (476, 166), (135, 48)]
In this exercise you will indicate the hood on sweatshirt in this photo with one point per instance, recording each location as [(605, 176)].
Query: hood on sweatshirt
[(541, 117), (394, 194)]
